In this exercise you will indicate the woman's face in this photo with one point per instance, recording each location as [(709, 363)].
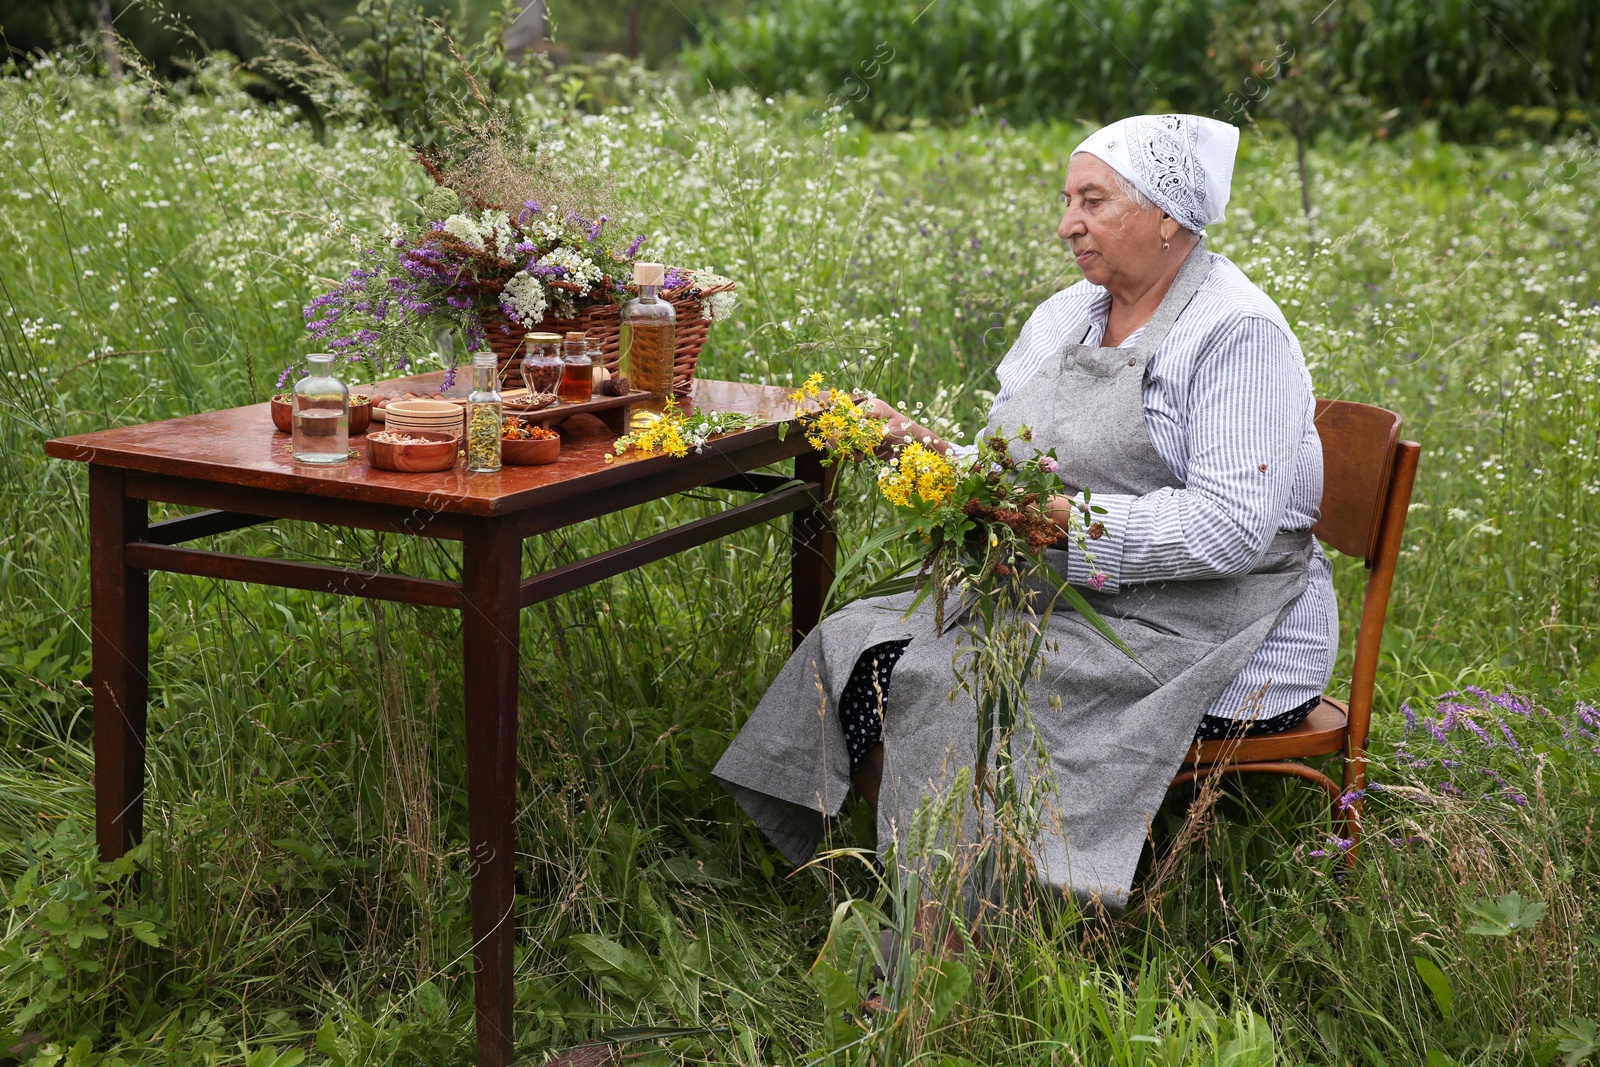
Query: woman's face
[(1113, 239)]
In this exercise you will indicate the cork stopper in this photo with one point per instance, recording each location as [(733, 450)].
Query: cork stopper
[(577, 335), (648, 273)]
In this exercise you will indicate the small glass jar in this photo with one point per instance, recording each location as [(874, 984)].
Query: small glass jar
[(321, 414), (597, 358), (541, 362), (484, 413), (577, 376)]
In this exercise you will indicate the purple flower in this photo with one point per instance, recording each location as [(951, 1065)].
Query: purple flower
[(1589, 714), (449, 378), (1511, 738), (1450, 787), (283, 379), (1516, 798), (633, 249), (529, 209), (594, 231), (1097, 580), (1349, 799), (1317, 853), (1411, 718), (1048, 464)]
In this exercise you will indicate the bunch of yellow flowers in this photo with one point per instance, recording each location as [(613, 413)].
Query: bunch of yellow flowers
[(918, 471), (659, 436), (838, 426)]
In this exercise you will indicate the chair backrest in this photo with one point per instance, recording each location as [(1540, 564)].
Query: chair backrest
[(1358, 451), (1367, 475)]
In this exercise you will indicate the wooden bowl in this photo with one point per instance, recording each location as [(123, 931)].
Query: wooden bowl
[(530, 453), (360, 412), (283, 412), (437, 452)]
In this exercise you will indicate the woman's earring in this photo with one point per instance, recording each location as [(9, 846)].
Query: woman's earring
[(1165, 245)]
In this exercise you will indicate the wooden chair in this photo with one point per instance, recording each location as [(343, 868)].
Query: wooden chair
[(1367, 477)]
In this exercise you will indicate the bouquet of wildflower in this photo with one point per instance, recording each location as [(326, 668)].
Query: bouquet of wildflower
[(474, 264), (985, 522), (984, 519), (673, 433)]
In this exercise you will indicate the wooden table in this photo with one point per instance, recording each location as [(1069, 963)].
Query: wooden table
[(237, 468)]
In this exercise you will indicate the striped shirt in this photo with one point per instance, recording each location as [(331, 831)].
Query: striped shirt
[(1226, 392)]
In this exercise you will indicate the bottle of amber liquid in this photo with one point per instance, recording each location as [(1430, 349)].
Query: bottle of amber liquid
[(649, 329), (577, 370)]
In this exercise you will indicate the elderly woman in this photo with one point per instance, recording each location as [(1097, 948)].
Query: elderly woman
[(1174, 390)]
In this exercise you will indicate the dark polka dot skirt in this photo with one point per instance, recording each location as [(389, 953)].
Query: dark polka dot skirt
[(861, 703), (1217, 727), (865, 693)]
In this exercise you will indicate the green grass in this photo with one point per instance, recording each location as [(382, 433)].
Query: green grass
[(306, 874)]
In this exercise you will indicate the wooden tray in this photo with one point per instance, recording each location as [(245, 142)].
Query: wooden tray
[(615, 411)]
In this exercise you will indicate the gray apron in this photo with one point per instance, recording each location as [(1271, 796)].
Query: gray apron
[(1118, 729)]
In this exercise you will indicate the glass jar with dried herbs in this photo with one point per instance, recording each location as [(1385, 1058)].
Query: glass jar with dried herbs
[(485, 409)]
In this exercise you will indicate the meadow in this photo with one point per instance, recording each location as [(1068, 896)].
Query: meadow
[(301, 894)]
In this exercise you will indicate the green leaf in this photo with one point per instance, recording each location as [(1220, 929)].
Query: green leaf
[(605, 957), (1577, 1039), (839, 1000), (783, 431), (1439, 1059), (1081, 606), (1503, 917), (952, 984), (1438, 983)]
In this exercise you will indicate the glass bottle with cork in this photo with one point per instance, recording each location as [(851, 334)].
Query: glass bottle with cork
[(484, 412), (577, 372), (649, 327), (321, 414)]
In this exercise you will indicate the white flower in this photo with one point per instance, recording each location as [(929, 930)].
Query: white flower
[(524, 300), (578, 268), (497, 234), (718, 305), (464, 230)]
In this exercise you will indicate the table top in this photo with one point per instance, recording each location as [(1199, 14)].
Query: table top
[(241, 447)]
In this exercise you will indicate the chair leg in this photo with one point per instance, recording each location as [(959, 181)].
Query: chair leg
[(1344, 821), (1349, 818)]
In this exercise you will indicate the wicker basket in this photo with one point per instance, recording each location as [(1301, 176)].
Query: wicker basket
[(603, 322)]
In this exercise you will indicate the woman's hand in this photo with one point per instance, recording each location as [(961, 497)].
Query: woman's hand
[(898, 429)]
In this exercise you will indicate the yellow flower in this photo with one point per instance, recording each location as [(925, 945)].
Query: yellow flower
[(921, 472)]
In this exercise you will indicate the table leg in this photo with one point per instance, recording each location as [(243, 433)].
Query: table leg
[(120, 622), (491, 570), (813, 547)]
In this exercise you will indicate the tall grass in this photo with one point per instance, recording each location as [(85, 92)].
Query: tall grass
[(306, 878)]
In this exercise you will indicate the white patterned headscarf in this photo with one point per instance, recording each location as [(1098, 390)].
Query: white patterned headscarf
[(1183, 163)]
